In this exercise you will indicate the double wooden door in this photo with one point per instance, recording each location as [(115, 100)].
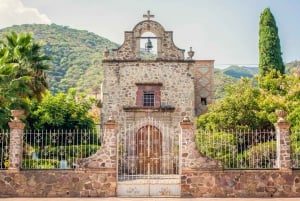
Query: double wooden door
[(148, 150), (148, 160)]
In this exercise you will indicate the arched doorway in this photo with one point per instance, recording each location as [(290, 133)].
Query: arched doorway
[(148, 150), (148, 160)]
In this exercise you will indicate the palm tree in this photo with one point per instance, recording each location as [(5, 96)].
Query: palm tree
[(4, 71), (24, 63)]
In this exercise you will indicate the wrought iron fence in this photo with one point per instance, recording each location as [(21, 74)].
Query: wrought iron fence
[(58, 149), (240, 149), (295, 149), (4, 149)]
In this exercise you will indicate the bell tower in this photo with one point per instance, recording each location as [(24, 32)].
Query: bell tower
[(148, 97)]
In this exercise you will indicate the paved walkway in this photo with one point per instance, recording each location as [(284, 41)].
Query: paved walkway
[(149, 199)]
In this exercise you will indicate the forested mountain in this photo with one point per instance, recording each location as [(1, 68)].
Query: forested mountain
[(76, 55), (240, 71), (231, 74), (221, 80), (292, 66)]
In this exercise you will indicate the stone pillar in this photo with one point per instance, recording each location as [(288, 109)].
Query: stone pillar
[(110, 141), (193, 161), (16, 140), (283, 141), (190, 155), (106, 157), (187, 140)]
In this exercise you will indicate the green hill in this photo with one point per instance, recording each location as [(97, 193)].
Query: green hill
[(240, 71), (77, 55), (221, 80), (292, 67), (230, 75)]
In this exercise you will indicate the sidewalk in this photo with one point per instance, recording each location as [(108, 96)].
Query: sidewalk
[(149, 199)]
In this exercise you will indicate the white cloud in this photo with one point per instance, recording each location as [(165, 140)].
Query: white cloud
[(14, 12)]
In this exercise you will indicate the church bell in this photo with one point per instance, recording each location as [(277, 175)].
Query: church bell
[(148, 45)]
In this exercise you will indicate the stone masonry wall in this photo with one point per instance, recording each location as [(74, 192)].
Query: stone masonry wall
[(120, 88), (166, 49), (106, 157), (190, 156), (240, 183), (58, 183), (194, 183), (127, 50)]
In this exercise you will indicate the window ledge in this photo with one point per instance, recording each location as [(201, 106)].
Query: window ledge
[(166, 108)]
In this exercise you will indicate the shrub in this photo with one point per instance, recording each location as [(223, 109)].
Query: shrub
[(218, 145), (261, 155), (40, 163)]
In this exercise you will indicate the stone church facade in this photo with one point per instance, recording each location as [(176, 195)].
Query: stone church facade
[(176, 86), (148, 144), (148, 97)]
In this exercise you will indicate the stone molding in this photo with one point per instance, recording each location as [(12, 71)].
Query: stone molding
[(16, 125), (186, 125), (149, 109), (283, 125), (205, 62)]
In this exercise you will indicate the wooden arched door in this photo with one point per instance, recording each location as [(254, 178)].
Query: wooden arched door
[(148, 150)]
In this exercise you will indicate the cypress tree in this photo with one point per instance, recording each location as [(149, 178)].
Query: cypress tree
[(269, 45)]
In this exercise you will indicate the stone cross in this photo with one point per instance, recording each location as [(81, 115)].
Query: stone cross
[(148, 15)]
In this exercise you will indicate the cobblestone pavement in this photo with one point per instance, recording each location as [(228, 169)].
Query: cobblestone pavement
[(150, 199)]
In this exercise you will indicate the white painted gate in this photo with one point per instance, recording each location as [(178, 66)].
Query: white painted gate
[(148, 160)]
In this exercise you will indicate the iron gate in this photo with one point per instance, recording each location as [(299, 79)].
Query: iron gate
[(148, 160)]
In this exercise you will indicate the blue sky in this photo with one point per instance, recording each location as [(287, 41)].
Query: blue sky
[(223, 30)]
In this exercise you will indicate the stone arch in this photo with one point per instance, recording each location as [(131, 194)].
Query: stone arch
[(148, 26), (166, 49), (148, 149), (148, 121)]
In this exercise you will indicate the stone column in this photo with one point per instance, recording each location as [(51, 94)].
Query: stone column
[(190, 155), (110, 141), (187, 140), (193, 162), (16, 141), (283, 141), (106, 157)]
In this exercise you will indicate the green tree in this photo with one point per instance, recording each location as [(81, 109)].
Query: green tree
[(62, 111), (22, 73), (29, 61), (239, 109), (218, 145), (269, 44), (23, 69), (4, 113)]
